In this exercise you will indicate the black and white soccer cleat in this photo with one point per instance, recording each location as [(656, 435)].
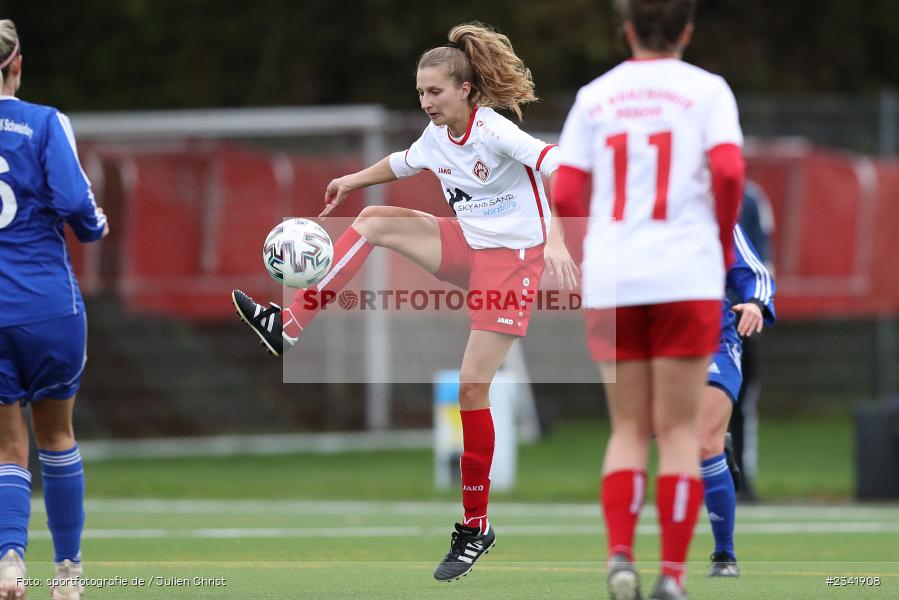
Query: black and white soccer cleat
[(723, 565), (265, 322), (467, 546), (735, 473), (624, 583)]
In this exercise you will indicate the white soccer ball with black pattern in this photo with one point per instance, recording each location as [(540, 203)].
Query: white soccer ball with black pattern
[(298, 253)]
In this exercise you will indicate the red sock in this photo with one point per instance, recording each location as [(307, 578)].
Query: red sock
[(678, 498), (622, 496), (477, 456), (350, 253)]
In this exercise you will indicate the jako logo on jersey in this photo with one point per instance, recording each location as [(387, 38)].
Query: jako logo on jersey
[(481, 171), (473, 488), (480, 123), (445, 171), (505, 321)]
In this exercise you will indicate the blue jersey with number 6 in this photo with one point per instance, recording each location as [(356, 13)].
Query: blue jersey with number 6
[(42, 187)]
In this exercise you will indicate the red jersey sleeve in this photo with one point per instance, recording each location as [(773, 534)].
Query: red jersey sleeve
[(728, 171)]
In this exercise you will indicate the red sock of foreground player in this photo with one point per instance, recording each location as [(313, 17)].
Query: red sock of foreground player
[(622, 495), (477, 456), (350, 253), (678, 498)]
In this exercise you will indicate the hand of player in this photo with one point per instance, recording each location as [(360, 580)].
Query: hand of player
[(751, 320), (105, 225), (335, 193), (560, 264)]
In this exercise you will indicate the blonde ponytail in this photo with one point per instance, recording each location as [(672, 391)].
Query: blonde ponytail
[(485, 58), (9, 46)]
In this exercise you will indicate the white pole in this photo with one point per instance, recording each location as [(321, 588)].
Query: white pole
[(378, 373)]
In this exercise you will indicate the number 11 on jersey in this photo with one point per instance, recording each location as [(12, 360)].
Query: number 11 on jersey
[(618, 144)]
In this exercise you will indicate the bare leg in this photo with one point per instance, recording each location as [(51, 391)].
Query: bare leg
[(63, 485), (630, 411), (718, 485), (714, 415), (412, 233), (13, 436), (677, 388), (624, 468), (677, 385), (483, 357), (52, 421)]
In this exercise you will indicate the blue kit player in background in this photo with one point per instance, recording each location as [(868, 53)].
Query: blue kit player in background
[(757, 220), (751, 287), (42, 324)]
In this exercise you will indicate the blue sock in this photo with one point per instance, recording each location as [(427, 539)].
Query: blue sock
[(15, 508), (720, 501), (64, 499)]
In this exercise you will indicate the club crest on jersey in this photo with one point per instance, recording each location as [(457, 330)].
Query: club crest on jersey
[(481, 170)]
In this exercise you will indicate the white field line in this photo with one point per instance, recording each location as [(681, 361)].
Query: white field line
[(515, 530), (262, 444), (505, 509)]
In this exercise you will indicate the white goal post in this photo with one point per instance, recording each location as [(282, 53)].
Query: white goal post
[(371, 123)]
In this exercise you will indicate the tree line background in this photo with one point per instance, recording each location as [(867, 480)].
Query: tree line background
[(146, 54)]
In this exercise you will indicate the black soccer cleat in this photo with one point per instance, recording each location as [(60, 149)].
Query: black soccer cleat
[(723, 565), (624, 583), (467, 546), (667, 589), (265, 322), (735, 473)]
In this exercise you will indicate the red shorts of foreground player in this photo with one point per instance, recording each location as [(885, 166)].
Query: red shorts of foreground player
[(672, 330), (494, 277)]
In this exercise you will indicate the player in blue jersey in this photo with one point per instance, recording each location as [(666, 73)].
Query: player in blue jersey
[(42, 324), (748, 308)]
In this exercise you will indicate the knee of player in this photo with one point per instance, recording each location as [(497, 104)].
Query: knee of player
[(473, 395), (635, 430), (676, 429), (14, 452), (711, 440), (710, 446), (373, 222), (55, 439)]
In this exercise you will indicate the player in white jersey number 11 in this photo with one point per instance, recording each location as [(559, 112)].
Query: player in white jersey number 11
[(660, 139), (501, 239)]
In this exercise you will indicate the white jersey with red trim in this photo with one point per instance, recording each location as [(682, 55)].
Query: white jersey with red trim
[(644, 130), (491, 178)]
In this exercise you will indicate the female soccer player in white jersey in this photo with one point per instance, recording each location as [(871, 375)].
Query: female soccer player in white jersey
[(490, 171), (662, 141), (42, 324)]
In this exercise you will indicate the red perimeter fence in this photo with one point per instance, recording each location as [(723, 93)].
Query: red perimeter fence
[(188, 225)]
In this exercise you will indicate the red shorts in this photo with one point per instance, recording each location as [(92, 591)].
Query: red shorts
[(502, 283), (673, 329)]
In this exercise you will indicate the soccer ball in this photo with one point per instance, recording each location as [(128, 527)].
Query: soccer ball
[(298, 253)]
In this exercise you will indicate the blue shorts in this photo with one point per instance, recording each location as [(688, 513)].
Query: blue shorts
[(43, 359), (725, 370)]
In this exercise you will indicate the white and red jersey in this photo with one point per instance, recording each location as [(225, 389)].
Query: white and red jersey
[(491, 178), (644, 130)]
